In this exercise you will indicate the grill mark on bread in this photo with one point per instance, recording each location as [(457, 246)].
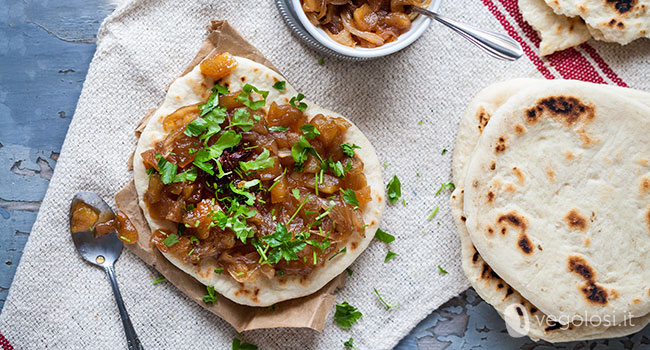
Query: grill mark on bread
[(566, 109), (525, 244), (501, 145), (483, 117), (644, 187), (593, 292), (552, 327), (622, 6), (575, 220), (551, 174), (580, 266), (519, 129)]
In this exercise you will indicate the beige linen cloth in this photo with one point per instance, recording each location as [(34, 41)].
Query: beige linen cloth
[(58, 301)]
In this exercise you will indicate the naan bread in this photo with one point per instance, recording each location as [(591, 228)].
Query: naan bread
[(620, 21), (558, 175), (558, 32), (195, 88), (487, 284)]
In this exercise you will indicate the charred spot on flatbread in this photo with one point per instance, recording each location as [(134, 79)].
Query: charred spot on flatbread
[(580, 266), (644, 187), (525, 244), (490, 197), (575, 220), (647, 218), (519, 129), (493, 165), (622, 6), (483, 117), (565, 109), (553, 326), (500, 146), (595, 293), (514, 219)]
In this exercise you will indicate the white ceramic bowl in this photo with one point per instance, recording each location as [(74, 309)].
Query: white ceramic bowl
[(418, 27)]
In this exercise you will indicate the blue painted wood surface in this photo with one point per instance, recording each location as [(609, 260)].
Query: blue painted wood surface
[(45, 50)]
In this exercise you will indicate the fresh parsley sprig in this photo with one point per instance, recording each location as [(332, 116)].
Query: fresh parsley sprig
[(394, 188), (346, 315)]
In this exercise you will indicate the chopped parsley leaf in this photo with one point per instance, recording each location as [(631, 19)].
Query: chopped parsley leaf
[(295, 193), (350, 197), (348, 149), (154, 282), (346, 315), (435, 211), (166, 169), (218, 270), (349, 271), (210, 297), (299, 152), (244, 97), (384, 236), (443, 271), (321, 61), (193, 239), (388, 307), (394, 190), (301, 106), (444, 150), (171, 240), (280, 85), (310, 131), (342, 251), (348, 344), (189, 176), (242, 119), (278, 128), (450, 185), (284, 247), (263, 161), (390, 255), (238, 345)]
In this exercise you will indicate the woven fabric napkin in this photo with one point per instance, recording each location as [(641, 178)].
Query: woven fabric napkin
[(408, 105)]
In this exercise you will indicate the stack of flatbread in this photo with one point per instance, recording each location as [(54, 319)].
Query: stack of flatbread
[(567, 23), (552, 204)]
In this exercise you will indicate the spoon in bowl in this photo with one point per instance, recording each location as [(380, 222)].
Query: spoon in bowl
[(496, 45), (86, 210)]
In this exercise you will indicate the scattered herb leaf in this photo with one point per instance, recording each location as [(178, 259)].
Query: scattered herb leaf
[(394, 190), (348, 149), (442, 270), (346, 315), (390, 255), (450, 185), (280, 85), (388, 307), (384, 236)]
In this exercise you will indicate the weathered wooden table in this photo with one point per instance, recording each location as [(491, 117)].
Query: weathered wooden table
[(45, 50)]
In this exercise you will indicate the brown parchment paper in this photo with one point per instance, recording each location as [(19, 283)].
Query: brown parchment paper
[(306, 312)]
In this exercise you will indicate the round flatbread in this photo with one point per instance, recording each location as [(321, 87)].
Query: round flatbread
[(558, 32), (194, 88), (620, 21), (488, 284), (558, 174)]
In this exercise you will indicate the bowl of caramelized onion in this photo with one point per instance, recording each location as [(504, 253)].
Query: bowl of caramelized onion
[(364, 28)]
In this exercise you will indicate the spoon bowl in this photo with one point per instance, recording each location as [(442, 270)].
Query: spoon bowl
[(102, 251)]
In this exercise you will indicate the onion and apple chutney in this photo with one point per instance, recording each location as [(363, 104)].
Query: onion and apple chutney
[(259, 189), (366, 23)]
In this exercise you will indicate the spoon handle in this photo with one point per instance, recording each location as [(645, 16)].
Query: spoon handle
[(496, 45), (131, 338)]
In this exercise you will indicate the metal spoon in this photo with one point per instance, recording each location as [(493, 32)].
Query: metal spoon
[(103, 252), (496, 45)]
